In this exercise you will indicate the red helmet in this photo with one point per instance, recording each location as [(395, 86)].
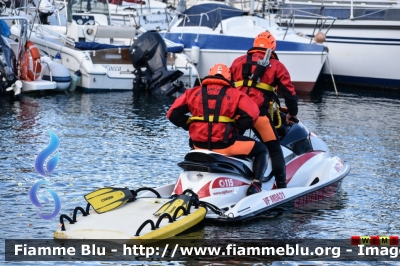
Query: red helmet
[(265, 40), (220, 69)]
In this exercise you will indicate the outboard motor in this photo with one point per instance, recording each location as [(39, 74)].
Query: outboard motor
[(8, 65), (46, 9), (149, 51)]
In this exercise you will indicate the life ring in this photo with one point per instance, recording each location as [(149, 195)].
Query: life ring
[(31, 66)]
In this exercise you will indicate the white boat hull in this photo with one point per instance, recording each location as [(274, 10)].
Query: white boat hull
[(225, 40), (303, 78), (363, 61), (102, 70), (363, 50), (357, 57)]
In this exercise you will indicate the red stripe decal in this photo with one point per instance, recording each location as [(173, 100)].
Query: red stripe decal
[(178, 188), (294, 165), (204, 191)]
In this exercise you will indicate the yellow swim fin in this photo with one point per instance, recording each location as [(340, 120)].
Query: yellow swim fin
[(170, 206), (107, 199)]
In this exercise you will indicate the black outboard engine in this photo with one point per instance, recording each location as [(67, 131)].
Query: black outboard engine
[(46, 9), (3, 7), (44, 18), (8, 65), (149, 51)]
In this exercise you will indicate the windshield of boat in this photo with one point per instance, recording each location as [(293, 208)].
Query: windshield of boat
[(88, 7)]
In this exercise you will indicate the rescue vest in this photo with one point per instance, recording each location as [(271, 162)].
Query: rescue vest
[(212, 115), (252, 79)]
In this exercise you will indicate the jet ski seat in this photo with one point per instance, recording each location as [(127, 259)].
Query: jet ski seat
[(214, 163)]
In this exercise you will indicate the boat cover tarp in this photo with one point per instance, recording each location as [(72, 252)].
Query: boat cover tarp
[(96, 46), (4, 29), (85, 46), (215, 13)]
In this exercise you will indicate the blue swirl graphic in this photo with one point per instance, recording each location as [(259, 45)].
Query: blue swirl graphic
[(46, 199), (44, 154), (35, 200)]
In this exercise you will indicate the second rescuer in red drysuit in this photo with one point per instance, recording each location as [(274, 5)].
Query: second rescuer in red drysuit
[(259, 82), (218, 112)]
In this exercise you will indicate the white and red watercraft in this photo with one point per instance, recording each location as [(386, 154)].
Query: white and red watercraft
[(313, 174)]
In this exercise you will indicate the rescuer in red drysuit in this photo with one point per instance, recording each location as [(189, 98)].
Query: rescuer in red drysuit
[(218, 112), (260, 82)]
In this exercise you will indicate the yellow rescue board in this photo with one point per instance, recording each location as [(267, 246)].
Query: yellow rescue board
[(124, 222)]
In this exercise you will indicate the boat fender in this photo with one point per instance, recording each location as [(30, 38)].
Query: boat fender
[(76, 77), (57, 58), (195, 53), (320, 37), (53, 71)]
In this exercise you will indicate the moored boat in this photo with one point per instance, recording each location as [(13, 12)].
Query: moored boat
[(363, 37), (96, 49), (149, 14), (36, 72), (214, 33)]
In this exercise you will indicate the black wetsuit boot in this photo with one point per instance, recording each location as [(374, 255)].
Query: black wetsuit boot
[(278, 163), (259, 168)]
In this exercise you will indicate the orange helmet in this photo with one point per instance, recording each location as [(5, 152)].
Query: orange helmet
[(265, 40), (220, 69)]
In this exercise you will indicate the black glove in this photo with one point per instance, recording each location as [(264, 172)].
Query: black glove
[(191, 143)]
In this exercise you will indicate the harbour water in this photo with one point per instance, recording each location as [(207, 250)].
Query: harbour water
[(114, 139)]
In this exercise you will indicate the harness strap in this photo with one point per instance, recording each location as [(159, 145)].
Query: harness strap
[(221, 119), (206, 114), (259, 85), (218, 104), (251, 78), (205, 103), (212, 115)]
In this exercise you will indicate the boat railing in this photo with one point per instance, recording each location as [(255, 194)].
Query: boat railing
[(146, 4), (321, 22), (260, 7), (27, 10), (23, 35), (189, 66), (41, 30), (130, 18)]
